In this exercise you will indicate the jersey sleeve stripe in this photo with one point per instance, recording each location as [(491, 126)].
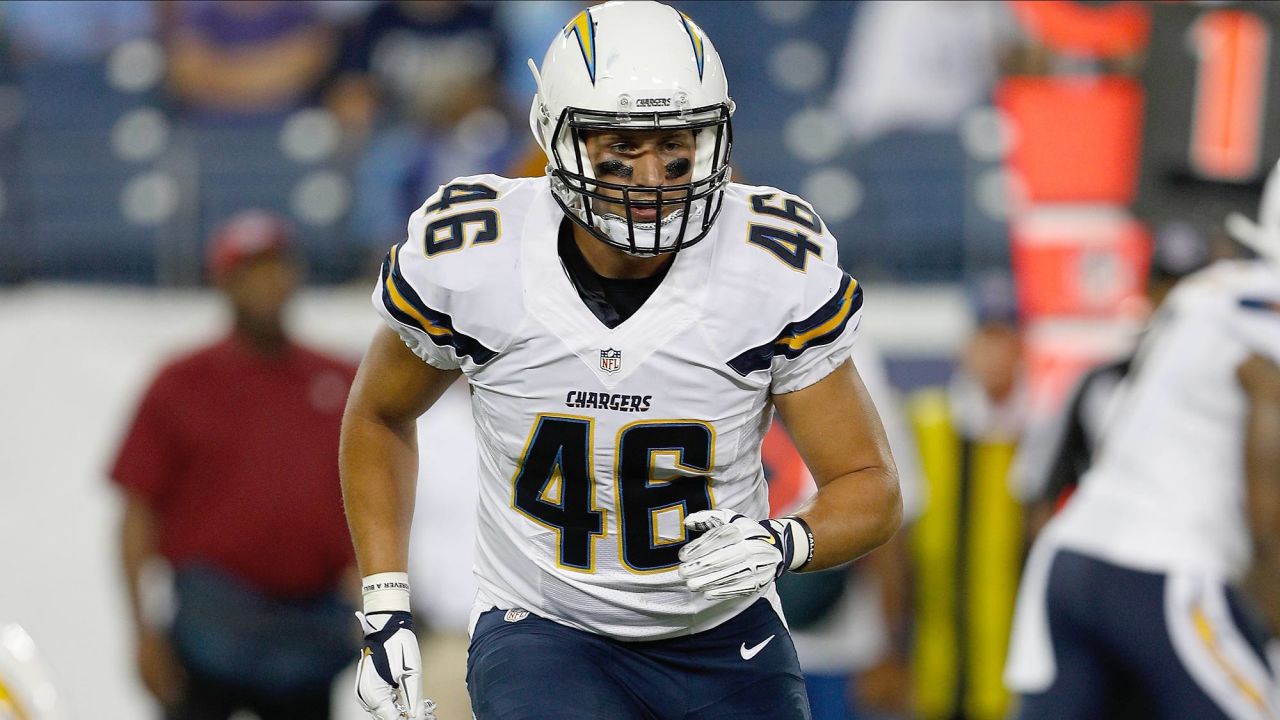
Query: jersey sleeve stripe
[(404, 310), (1257, 303), (822, 327), (407, 307), (830, 318)]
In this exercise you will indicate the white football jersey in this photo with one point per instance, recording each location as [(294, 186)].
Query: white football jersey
[(595, 443), (1167, 491)]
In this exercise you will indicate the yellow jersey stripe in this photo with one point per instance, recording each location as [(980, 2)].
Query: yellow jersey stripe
[(404, 305), (797, 342)]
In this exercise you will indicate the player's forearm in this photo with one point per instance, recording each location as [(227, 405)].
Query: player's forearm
[(1261, 381), (858, 506), (378, 462), (1262, 470), (138, 548), (1263, 583), (853, 515)]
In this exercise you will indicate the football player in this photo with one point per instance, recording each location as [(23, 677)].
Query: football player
[(627, 325), (1135, 583)]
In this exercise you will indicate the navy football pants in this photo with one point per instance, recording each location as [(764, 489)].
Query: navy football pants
[(534, 669), (1114, 634)]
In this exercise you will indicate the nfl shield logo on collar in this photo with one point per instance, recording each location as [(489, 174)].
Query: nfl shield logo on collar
[(611, 360)]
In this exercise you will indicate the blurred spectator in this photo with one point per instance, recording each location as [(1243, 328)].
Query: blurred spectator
[(968, 542), (404, 166), (426, 63), (74, 31), (247, 57), (435, 70), (230, 475), (918, 66)]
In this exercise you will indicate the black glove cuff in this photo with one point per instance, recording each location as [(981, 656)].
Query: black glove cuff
[(374, 642), (808, 531)]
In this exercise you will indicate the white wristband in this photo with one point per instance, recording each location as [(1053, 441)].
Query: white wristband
[(385, 592)]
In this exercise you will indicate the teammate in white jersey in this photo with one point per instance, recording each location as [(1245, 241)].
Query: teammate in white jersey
[(627, 326), (1134, 584)]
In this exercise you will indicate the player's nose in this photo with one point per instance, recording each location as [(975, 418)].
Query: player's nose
[(649, 170)]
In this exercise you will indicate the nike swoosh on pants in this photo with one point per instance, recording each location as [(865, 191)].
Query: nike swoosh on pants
[(750, 652)]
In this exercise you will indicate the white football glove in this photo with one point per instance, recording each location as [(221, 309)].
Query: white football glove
[(389, 676), (737, 556)]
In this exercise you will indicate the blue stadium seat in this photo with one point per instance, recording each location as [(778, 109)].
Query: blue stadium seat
[(73, 179), (241, 165), (917, 221)]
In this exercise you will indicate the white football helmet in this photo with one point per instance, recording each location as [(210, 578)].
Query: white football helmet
[(634, 66), (1262, 236)]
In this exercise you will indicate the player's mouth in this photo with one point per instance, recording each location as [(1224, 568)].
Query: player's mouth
[(644, 215)]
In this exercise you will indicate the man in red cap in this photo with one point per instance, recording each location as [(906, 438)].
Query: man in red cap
[(229, 474)]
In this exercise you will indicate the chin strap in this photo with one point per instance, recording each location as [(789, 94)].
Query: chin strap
[(668, 230)]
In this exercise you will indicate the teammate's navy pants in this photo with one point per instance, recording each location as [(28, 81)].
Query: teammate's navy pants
[(1151, 645)]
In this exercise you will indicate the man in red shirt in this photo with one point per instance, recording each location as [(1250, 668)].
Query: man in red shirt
[(230, 475)]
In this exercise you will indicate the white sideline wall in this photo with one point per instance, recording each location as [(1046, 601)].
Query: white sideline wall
[(74, 360)]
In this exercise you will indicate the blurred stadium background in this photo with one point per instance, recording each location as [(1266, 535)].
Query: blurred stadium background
[(978, 160)]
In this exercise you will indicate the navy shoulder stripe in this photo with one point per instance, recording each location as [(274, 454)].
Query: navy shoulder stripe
[(821, 328), (1257, 303), (404, 304)]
